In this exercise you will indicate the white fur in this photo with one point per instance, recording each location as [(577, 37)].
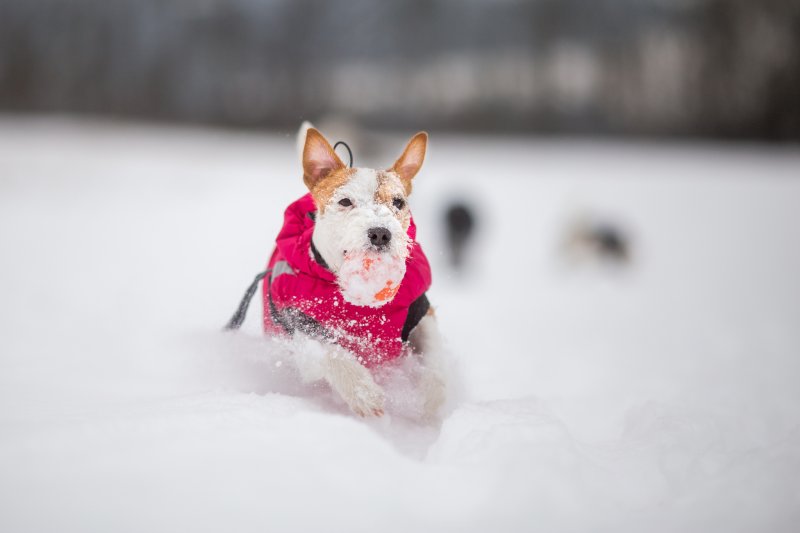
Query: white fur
[(341, 229)]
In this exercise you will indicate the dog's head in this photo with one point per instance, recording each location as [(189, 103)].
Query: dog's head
[(359, 210)]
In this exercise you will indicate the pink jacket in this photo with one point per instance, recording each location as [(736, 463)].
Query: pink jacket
[(300, 293)]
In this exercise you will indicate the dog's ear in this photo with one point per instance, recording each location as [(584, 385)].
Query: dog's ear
[(410, 162), (319, 159)]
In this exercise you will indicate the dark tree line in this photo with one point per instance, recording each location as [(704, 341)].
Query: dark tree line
[(717, 68)]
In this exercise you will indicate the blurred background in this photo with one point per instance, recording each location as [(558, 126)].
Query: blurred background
[(698, 68), (610, 203)]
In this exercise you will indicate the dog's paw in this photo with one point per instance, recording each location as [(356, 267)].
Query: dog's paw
[(355, 385), (366, 398)]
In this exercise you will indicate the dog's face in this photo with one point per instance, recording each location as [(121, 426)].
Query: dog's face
[(360, 209)]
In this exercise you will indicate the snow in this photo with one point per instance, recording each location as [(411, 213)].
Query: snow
[(656, 397), (369, 278)]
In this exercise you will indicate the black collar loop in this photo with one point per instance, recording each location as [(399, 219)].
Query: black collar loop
[(318, 257), (349, 152)]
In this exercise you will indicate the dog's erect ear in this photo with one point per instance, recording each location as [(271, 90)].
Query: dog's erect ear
[(300, 140), (410, 162), (319, 159)]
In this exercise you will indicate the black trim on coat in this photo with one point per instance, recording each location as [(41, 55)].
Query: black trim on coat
[(318, 257), (418, 309)]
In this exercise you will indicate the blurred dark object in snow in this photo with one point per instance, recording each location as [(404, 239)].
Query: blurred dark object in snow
[(460, 224), (595, 240)]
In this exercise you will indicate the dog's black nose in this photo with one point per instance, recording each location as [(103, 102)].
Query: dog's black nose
[(379, 237)]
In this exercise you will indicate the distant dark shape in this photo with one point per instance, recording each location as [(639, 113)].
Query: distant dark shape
[(610, 242), (460, 225), (593, 241)]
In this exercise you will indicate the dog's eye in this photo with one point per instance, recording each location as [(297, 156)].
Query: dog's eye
[(399, 203), (345, 202)]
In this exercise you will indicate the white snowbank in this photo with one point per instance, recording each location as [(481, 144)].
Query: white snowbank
[(662, 397)]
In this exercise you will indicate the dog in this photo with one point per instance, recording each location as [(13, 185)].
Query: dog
[(593, 240), (348, 274), (459, 222)]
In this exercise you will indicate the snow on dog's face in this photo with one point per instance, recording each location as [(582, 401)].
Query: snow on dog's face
[(362, 218)]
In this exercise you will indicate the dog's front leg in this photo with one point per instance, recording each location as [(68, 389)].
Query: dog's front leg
[(346, 376), (353, 382), (426, 342)]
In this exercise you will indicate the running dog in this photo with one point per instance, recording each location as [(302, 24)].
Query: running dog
[(347, 272)]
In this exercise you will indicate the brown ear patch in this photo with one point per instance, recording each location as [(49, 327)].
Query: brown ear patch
[(319, 159)]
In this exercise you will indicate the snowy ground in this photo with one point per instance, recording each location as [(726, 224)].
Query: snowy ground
[(663, 397)]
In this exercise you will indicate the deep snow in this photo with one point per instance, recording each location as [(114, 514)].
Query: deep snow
[(661, 397)]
